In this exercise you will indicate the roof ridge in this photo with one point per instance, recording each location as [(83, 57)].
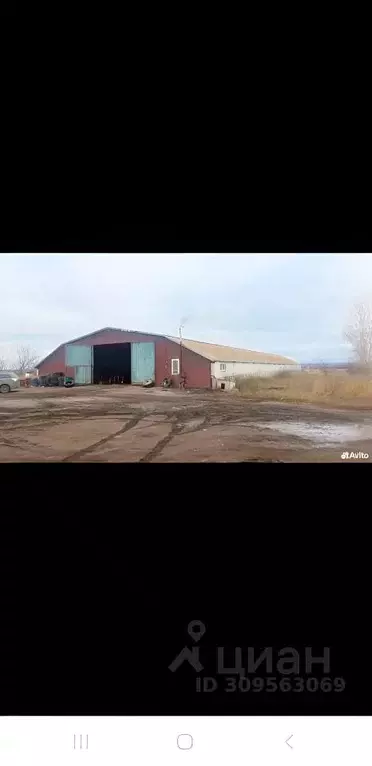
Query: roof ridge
[(235, 348), (221, 345), (174, 338)]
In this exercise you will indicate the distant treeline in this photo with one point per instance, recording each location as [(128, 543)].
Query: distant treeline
[(346, 366), (330, 365)]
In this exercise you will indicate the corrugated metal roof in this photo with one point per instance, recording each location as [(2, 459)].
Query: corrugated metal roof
[(212, 351), (217, 353)]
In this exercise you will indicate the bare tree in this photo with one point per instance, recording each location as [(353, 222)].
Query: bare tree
[(27, 359), (359, 334), (3, 364)]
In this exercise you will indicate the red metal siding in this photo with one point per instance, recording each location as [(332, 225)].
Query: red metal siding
[(196, 369), (54, 363)]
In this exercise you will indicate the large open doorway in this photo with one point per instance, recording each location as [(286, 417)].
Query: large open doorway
[(112, 363)]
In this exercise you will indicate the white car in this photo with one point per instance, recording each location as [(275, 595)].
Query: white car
[(9, 381)]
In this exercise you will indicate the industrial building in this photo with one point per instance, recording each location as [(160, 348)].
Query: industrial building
[(112, 355)]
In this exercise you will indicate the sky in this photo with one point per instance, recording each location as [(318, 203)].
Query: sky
[(294, 305)]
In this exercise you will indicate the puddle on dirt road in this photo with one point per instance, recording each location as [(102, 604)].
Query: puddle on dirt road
[(322, 432)]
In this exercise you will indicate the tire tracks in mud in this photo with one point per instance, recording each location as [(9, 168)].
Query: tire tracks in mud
[(213, 418), (182, 421), (155, 451), (8, 443), (48, 417), (176, 430), (127, 427), (210, 414)]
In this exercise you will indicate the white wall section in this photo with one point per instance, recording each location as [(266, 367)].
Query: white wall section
[(250, 368)]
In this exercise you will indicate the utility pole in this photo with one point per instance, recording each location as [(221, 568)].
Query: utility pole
[(181, 371)]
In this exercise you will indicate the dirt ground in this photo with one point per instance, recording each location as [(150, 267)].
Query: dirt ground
[(129, 424)]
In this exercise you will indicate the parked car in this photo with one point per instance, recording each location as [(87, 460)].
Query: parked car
[(9, 381)]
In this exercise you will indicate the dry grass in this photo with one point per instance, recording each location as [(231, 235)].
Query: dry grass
[(333, 387)]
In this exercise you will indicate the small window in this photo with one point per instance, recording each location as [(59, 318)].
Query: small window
[(223, 367), (175, 366)]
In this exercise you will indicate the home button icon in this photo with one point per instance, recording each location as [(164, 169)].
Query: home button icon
[(185, 741)]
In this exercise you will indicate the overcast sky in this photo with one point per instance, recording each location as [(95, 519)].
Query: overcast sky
[(295, 305)]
